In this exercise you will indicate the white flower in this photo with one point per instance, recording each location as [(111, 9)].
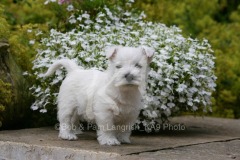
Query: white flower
[(79, 18), (194, 108), (39, 32), (34, 106), (182, 100), (99, 20), (101, 15), (127, 13), (85, 15), (97, 27), (32, 42), (47, 1), (25, 73), (190, 103), (164, 107), (186, 67), (72, 19), (181, 88), (70, 8), (171, 105), (88, 22), (154, 114), (43, 110)]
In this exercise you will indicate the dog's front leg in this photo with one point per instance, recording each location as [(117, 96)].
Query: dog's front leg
[(124, 132), (106, 129), (123, 136)]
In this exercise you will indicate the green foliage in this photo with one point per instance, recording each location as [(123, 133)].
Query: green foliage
[(5, 93), (5, 97), (189, 15), (4, 31), (225, 40), (28, 11), (17, 113), (23, 43), (23, 39)]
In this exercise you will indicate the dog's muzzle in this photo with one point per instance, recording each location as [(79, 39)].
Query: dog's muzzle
[(129, 77)]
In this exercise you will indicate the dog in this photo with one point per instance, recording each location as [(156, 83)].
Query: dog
[(112, 99)]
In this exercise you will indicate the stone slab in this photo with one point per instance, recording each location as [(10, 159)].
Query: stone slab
[(43, 143), (229, 150)]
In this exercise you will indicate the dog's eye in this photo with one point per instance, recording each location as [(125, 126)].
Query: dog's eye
[(138, 65), (118, 66)]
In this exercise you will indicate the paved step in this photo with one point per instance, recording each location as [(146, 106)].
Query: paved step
[(184, 138)]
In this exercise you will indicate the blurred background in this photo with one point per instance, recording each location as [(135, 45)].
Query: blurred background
[(217, 21)]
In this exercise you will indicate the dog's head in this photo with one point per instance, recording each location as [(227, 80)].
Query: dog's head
[(127, 65)]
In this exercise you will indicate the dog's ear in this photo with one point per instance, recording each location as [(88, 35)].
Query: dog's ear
[(111, 52), (149, 52)]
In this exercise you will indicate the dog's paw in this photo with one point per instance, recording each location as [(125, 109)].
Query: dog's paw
[(78, 132), (68, 136), (108, 141), (124, 140)]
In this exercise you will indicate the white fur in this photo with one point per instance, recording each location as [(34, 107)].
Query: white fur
[(112, 98)]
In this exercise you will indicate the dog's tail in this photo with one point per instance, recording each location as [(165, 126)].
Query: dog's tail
[(67, 63)]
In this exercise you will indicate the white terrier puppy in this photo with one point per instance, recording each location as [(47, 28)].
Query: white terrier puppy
[(112, 99)]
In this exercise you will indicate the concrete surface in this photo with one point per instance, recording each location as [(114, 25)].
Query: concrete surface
[(185, 138)]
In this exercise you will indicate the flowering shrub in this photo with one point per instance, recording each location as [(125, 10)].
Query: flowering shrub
[(181, 77)]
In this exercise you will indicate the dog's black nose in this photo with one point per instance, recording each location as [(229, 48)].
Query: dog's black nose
[(129, 77)]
